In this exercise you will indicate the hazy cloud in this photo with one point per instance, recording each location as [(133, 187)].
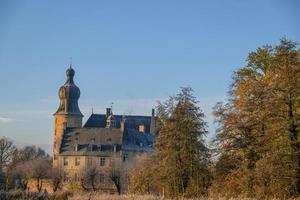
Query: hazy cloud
[(6, 120)]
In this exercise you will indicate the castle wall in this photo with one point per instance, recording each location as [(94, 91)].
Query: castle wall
[(63, 121)]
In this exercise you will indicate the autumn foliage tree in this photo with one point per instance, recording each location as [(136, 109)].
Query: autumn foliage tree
[(257, 142), (182, 156)]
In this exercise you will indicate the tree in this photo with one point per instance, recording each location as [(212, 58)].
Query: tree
[(55, 178), (39, 171), (90, 178), (142, 176), (21, 175), (6, 150), (115, 173), (31, 153), (181, 151), (258, 126)]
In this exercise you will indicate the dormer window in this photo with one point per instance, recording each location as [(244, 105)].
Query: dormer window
[(92, 142), (110, 119), (76, 144), (142, 128)]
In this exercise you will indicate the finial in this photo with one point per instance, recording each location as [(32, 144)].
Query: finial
[(111, 106), (70, 66), (92, 110)]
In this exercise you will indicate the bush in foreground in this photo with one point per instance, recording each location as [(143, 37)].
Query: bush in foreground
[(24, 195)]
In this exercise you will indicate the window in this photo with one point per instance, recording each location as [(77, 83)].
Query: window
[(90, 161), (142, 128), (101, 178), (76, 177), (125, 157), (102, 162), (65, 161), (77, 161), (66, 178)]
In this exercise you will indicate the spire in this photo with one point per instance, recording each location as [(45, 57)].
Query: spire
[(69, 94), (70, 74)]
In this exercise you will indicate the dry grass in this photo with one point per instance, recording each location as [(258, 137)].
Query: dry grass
[(97, 196)]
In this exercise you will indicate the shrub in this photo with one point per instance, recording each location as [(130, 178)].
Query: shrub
[(61, 195), (4, 195)]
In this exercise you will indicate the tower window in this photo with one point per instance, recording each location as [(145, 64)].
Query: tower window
[(65, 125)]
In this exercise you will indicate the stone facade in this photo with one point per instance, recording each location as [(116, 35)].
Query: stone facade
[(105, 138)]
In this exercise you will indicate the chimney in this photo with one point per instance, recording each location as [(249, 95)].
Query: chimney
[(153, 124), (108, 111), (76, 144), (76, 147), (123, 123)]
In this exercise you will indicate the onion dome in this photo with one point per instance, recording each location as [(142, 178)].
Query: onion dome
[(69, 94)]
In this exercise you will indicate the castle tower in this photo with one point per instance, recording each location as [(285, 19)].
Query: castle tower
[(68, 114)]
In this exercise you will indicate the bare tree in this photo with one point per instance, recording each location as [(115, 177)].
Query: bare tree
[(90, 178), (6, 150), (21, 175), (31, 153), (115, 173), (38, 171), (56, 178)]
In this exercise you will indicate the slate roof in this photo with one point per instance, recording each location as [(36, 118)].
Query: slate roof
[(69, 94), (131, 121), (95, 139)]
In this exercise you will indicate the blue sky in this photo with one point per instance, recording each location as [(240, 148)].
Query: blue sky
[(130, 52)]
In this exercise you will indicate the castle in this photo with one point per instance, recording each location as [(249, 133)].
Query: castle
[(101, 138)]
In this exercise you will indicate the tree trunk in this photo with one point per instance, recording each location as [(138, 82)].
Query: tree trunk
[(251, 169)]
